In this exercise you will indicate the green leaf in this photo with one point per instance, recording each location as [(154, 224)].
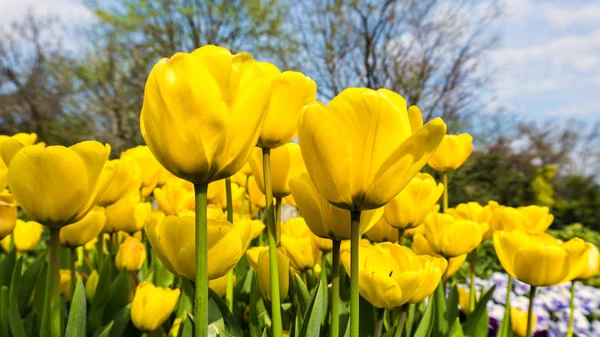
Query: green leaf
[(28, 281), (255, 327), (311, 323), (471, 326), (4, 327), (186, 299), (39, 295), (301, 292), (187, 328), (105, 330), (505, 329), (231, 326), (452, 304), (440, 323), (76, 325), (426, 324), (367, 317), (121, 318), (101, 297), (456, 329), (6, 267), (14, 319), (120, 290)]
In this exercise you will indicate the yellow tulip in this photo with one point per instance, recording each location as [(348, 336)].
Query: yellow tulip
[(473, 211), (126, 180), (210, 134), (450, 237), (57, 186), (452, 153), (65, 284), (176, 196), (290, 200), (22, 139), (417, 200), (217, 193), (324, 219), (286, 164), (257, 198), (290, 92), (131, 255), (532, 219), (301, 245), (593, 263), (91, 285), (539, 259), (128, 214), (421, 247), (8, 214), (219, 285), (382, 232), (26, 236), (519, 322), (173, 241), (411, 232), (464, 301), (363, 147), (152, 306), (84, 230), (92, 243), (150, 168), (391, 275), (258, 257)]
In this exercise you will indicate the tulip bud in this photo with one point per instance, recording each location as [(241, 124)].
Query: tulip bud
[(219, 285), (131, 254), (519, 322), (152, 305), (26, 236), (258, 257), (65, 284), (452, 152), (91, 285), (464, 301), (450, 237), (8, 213)]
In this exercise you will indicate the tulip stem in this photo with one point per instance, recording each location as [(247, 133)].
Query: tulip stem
[(53, 298), (530, 311), (229, 291), (379, 322), (354, 296), (278, 220), (401, 236), (401, 320), (445, 202), (572, 311), (472, 295), (201, 313), (335, 288), (272, 236), (73, 266)]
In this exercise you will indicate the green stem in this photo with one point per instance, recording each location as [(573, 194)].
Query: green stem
[(472, 295), (401, 236), (201, 304), (278, 220), (335, 288), (379, 322), (354, 296), (73, 263), (54, 303), (530, 311), (272, 236), (445, 181), (572, 311), (508, 291), (401, 320), (229, 291)]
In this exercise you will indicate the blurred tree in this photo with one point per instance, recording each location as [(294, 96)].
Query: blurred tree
[(430, 51), (542, 185)]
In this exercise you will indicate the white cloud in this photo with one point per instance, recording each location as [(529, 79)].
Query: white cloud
[(579, 109), (562, 18)]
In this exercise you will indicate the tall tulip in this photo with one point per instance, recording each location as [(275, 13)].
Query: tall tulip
[(481, 215), (411, 206), (202, 116), (452, 237), (258, 257), (539, 260), (56, 186), (532, 219), (360, 151)]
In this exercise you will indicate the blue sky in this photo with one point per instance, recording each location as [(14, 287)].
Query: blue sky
[(547, 61)]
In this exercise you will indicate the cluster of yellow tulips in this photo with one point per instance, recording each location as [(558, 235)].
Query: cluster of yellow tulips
[(221, 157)]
